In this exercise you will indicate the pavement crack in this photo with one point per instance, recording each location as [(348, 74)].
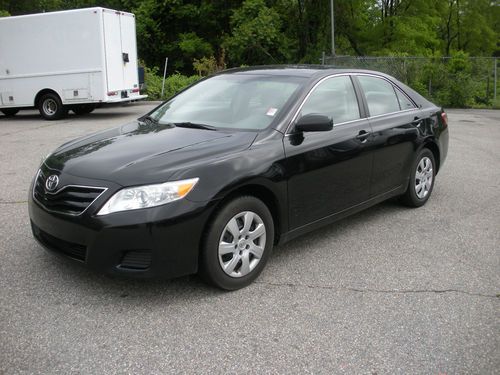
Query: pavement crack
[(410, 291), (386, 291)]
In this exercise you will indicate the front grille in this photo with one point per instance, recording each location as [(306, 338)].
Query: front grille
[(70, 199), (137, 260), (70, 249)]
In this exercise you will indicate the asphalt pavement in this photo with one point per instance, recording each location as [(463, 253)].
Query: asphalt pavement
[(389, 290)]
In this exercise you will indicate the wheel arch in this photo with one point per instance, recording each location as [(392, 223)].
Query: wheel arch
[(43, 92), (261, 192), (433, 147)]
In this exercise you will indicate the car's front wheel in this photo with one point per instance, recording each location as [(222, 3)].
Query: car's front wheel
[(237, 243), (421, 181)]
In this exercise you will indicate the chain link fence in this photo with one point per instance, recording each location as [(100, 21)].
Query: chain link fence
[(458, 81)]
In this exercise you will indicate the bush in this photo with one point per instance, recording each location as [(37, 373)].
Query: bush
[(153, 82), (176, 83), (173, 83), (459, 91), (453, 84), (450, 82)]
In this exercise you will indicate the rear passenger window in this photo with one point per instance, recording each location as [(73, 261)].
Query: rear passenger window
[(335, 98), (404, 102), (380, 95)]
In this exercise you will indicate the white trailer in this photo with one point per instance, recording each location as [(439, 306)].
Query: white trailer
[(69, 60)]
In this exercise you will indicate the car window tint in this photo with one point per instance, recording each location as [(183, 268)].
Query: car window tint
[(380, 95), (404, 102), (335, 98)]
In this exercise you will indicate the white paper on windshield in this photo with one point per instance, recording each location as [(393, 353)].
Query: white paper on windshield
[(271, 111)]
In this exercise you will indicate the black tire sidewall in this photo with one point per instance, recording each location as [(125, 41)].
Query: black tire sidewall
[(9, 112), (210, 268), (59, 113), (411, 194), (83, 109)]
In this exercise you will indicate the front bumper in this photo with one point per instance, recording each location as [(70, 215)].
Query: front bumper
[(159, 242)]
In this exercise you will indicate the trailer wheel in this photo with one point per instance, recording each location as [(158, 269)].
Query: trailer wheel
[(51, 107), (83, 109), (9, 112)]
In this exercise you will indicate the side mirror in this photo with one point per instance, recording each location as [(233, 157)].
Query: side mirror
[(314, 123)]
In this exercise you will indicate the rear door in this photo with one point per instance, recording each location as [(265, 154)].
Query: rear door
[(394, 120), (129, 51), (121, 50), (113, 50)]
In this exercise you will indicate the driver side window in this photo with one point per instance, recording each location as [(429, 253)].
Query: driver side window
[(334, 98)]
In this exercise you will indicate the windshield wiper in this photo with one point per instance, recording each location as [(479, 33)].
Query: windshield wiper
[(194, 125)]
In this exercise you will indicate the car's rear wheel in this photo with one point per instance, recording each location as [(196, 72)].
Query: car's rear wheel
[(237, 243), (422, 178), (9, 112)]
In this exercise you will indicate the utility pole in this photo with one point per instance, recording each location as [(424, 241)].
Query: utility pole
[(333, 27)]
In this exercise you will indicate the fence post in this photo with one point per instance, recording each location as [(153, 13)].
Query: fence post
[(323, 58), (487, 87), (404, 72), (495, 75)]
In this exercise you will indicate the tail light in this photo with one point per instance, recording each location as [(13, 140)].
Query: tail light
[(444, 119), (135, 90), (112, 93)]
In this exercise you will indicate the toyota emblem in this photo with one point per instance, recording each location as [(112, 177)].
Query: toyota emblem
[(52, 182)]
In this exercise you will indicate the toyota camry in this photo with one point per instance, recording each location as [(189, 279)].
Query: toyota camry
[(210, 180)]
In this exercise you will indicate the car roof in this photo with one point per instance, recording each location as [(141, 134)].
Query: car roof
[(308, 71), (315, 72)]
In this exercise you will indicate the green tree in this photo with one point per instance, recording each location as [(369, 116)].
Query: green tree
[(295, 31), (193, 46), (256, 36), (476, 34)]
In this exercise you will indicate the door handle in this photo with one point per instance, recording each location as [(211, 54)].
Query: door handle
[(363, 135)]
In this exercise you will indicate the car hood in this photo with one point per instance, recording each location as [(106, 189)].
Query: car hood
[(139, 153)]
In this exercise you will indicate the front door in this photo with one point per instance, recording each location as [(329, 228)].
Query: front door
[(328, 172)]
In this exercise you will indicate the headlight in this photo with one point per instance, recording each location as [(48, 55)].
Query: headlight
[(147, 196)]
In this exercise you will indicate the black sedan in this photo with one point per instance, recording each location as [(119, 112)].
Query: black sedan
[(211, 179)]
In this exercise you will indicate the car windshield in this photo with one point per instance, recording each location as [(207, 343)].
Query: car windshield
[(236, 101)]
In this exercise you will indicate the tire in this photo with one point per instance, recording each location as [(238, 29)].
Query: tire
[(51, 107), (421, 184), (83, 109), (9, 112), (232, 263)]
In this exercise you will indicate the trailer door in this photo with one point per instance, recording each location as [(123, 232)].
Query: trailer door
[(113, 50), (121, 50), (129, 51)]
